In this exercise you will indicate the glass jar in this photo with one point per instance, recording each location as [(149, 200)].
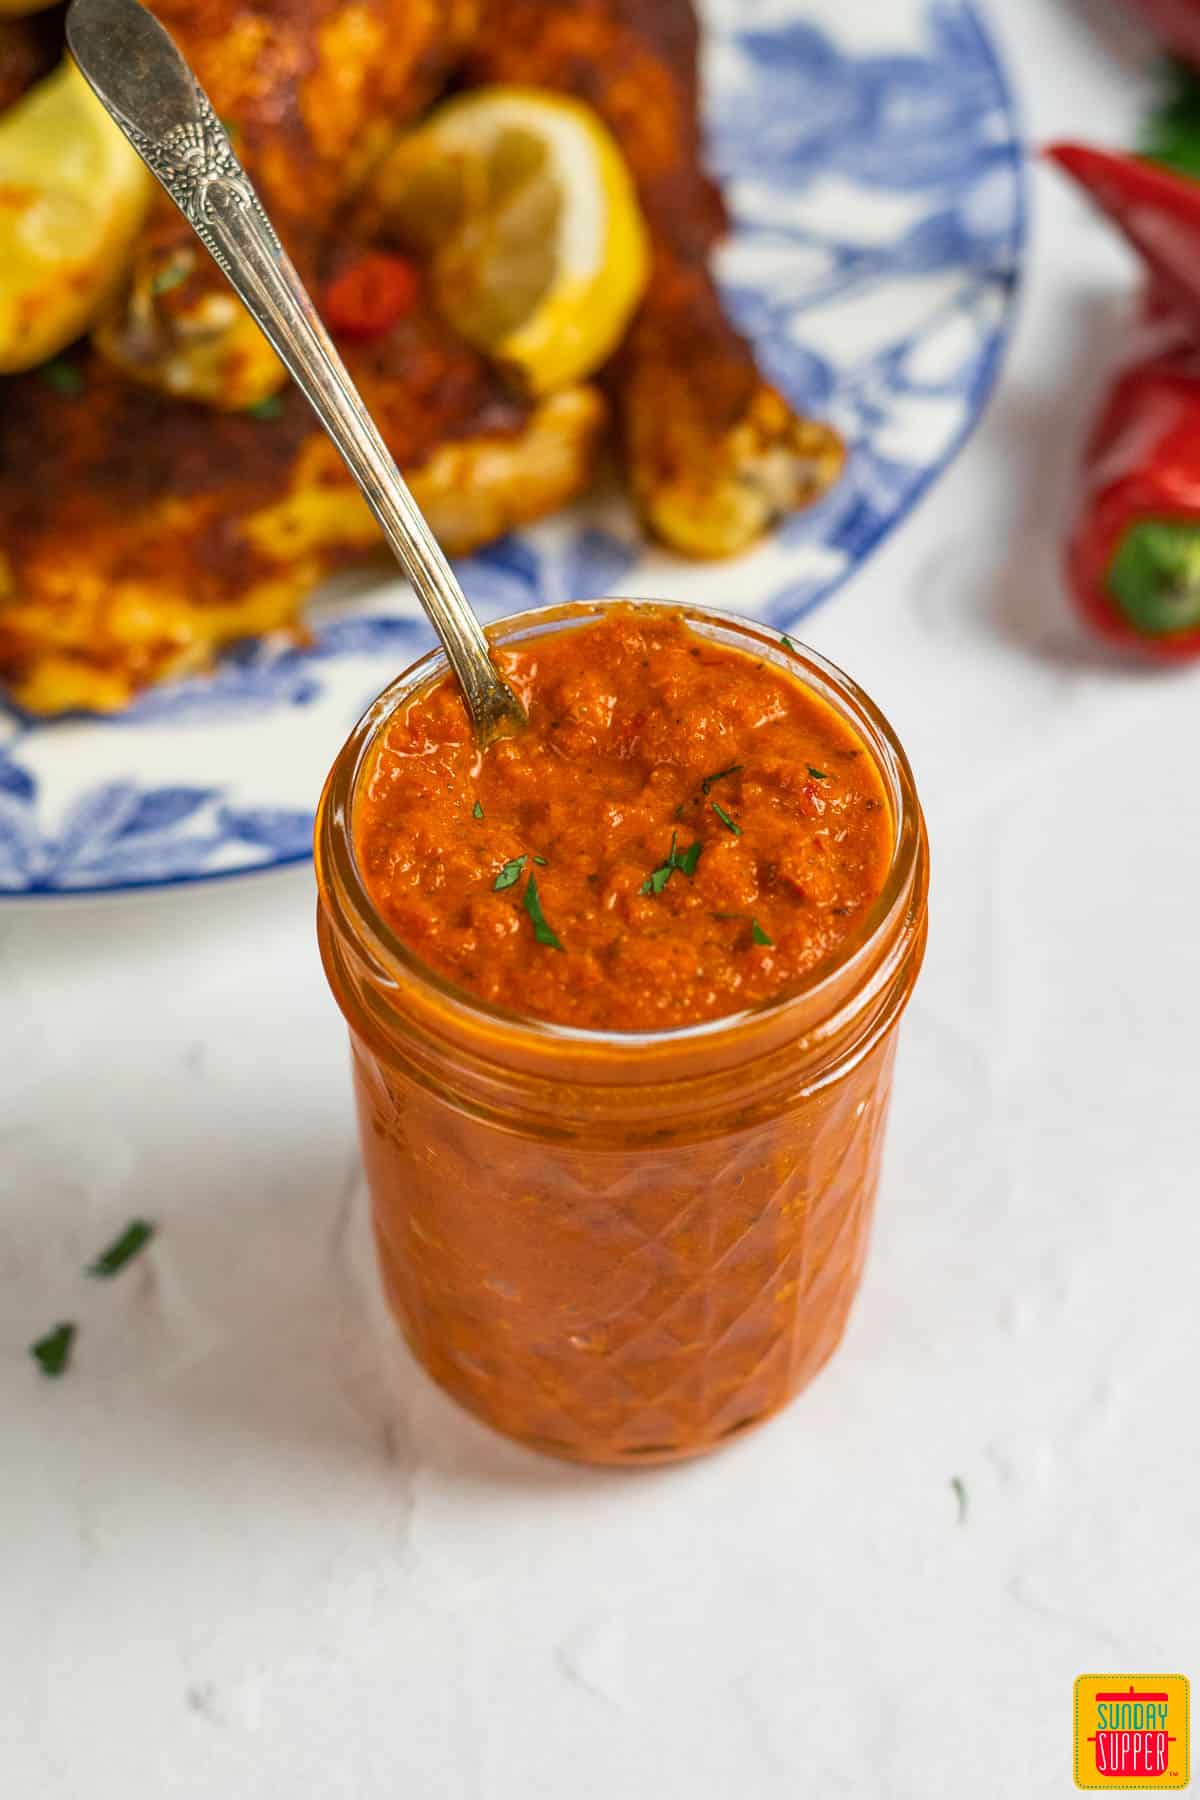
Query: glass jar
[(614, 1247)]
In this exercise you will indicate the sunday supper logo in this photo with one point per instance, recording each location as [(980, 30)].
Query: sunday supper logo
[(1131, 1731)]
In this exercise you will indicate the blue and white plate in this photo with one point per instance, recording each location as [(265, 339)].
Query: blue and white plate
[(870, 156)]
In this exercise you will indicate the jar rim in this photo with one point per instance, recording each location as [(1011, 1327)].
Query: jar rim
[(338, 870)]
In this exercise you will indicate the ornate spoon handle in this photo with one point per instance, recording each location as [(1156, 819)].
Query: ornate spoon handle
[(150, 92)]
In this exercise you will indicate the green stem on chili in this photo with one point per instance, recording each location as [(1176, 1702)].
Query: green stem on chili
[(1155, 576), (1172, 134)]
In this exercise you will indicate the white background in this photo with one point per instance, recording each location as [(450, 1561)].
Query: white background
[(248, 1551)]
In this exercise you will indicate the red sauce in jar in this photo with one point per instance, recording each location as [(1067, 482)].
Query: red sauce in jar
[(624, 1249), (683, 830)]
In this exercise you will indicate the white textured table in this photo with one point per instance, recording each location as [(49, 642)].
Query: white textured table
[(249, 1551)]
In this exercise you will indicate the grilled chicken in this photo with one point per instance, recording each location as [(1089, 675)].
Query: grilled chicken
[(140, 531), (714, 453), (313, 94), (140, 534)]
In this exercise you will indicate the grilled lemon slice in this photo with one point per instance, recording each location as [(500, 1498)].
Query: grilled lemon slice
[(539, 250), (73, 195)]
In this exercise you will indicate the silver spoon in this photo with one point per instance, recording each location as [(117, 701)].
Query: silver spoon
[(147, 88)]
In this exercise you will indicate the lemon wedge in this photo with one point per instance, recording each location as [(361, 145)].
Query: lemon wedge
[(525, 204), (73, 195)]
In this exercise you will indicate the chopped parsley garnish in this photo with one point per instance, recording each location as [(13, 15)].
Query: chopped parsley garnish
[(657, 880), (477, 811), (787, 642), (173, 276), (960, 1494), (63, 377), (135, 1237), (269, 408), (727, 822), (711, 780), (53, 1352), (533, 906), (819, 774), (510, 874), (758, 935)]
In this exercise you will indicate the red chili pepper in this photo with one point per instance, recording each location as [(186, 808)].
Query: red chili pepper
[(1133, 557), (1176, 23), (1159, 213), (371, 295)]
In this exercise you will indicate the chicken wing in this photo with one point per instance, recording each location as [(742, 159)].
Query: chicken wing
[(315, 88), (714, 453), (312, 92), (140, 534)]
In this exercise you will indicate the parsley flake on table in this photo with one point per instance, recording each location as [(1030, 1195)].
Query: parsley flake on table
[(52, 1353), (959, 1487), (533, 906), (135, 1237)]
